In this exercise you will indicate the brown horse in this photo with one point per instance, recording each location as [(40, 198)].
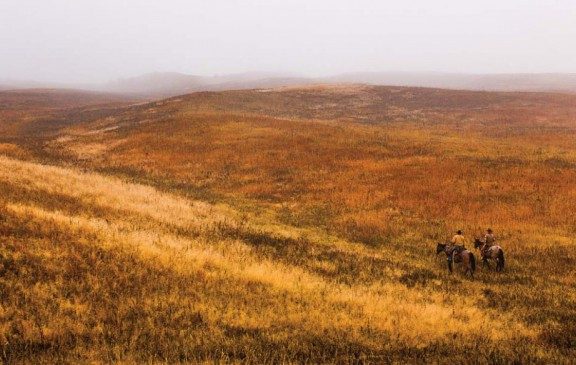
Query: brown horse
[(495, 253), (458, 254)]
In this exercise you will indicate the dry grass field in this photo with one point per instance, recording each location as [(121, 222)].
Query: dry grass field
[(286, 225)]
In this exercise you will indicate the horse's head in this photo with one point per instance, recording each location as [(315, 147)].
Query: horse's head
[(477, 243), (441, 247)]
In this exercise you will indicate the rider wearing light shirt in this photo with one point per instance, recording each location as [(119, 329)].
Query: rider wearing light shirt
[(457, 245), (458, 239)]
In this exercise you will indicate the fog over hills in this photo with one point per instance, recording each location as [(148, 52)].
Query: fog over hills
[(552, 82), (176, 83), (165, 84), (173, 83)]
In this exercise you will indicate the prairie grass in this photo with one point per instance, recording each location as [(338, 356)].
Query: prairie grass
[(292, 226)]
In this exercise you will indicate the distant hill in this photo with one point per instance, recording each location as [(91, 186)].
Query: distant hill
[(44, 99), (166, 84), (487, 82), (33, 112), (172, 83), (157, 83)]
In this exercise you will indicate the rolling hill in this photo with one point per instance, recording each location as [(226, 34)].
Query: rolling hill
[(290, 224)]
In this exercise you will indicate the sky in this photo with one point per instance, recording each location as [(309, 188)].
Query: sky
[(86, 41)]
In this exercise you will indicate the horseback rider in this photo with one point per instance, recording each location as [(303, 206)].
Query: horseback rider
[(489, 240), (457, 245), (458, 239)]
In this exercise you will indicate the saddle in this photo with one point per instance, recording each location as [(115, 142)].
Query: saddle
[(458, 249), (455, 252)]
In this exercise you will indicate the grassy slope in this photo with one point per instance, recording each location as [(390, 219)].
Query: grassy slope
[(317, 240), (33, 117)]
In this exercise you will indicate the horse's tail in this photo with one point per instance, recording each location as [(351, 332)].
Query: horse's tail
[(472, 262), (501, 258)]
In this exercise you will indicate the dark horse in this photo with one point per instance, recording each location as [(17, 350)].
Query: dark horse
[(458, 254), (492, 253)]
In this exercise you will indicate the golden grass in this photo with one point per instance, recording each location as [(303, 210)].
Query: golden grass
[(294, 225), (414, 318)]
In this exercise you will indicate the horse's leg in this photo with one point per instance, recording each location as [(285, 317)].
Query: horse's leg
[(484, 263), (501, 259), (472, 263)]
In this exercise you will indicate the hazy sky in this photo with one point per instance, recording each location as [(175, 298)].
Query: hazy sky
[(98, 40)]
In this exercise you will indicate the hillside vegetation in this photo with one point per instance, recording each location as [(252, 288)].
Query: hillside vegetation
[(289, 225)]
